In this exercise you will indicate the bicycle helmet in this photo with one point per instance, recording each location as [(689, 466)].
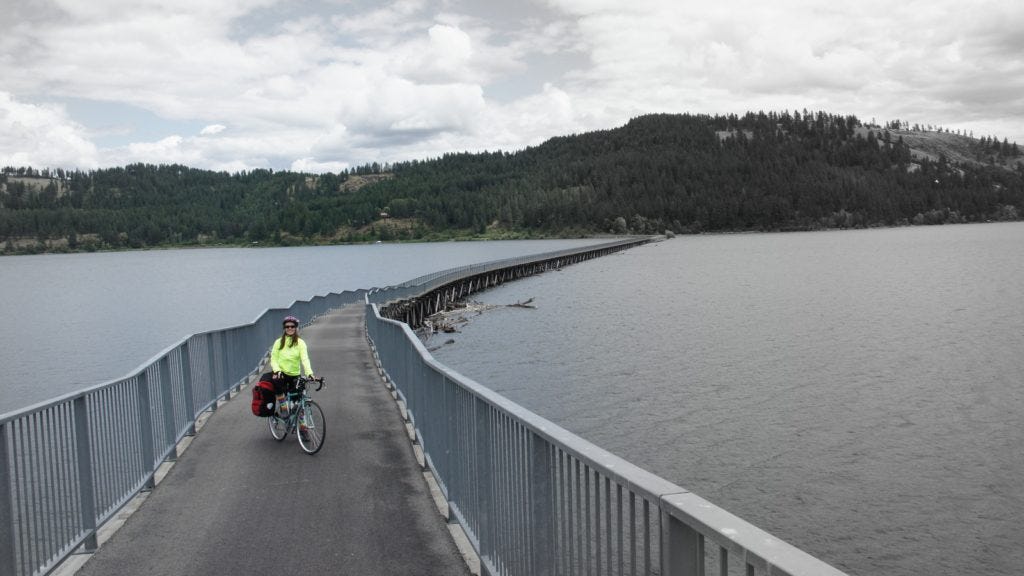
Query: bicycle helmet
[(291, 319)]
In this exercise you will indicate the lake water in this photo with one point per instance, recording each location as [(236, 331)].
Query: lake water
[(74, 320), (859, 394)]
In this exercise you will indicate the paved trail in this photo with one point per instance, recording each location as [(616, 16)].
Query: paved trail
[(238, 502)]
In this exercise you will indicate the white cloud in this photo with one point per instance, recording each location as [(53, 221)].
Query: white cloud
[(42, 136), (312, 165), (446, 56), (97, 10), (212, 129), (170, 150), (395, 18), (334, 85), (550, 112), (870, 58)]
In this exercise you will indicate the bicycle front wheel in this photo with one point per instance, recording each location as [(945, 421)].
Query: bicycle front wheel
[(312, 428), (278, 427)]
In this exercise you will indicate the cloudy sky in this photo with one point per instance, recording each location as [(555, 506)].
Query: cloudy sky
[(322, 85)]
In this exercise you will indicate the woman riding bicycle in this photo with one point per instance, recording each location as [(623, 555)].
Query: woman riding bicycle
[(288, 355)]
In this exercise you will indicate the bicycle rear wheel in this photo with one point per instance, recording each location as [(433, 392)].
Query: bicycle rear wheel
[(278, 427), (312, 428)]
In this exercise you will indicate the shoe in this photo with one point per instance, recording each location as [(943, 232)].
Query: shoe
[(303, 434)]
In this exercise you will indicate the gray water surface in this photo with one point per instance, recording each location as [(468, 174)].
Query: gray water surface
[(856, 393), (75, 320)]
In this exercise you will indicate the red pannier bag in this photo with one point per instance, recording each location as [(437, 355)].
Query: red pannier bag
[(263, 397)]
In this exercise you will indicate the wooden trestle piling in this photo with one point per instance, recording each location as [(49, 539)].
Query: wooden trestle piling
[(415, 310)]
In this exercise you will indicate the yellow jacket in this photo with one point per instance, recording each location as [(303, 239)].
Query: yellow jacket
[(288, 359)]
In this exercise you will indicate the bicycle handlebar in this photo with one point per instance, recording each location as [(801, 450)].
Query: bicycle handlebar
[(319, 381)]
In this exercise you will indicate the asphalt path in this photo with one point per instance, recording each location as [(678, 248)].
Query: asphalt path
[(239, 502)]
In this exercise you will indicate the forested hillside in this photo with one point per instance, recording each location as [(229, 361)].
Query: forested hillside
[(683, 173)]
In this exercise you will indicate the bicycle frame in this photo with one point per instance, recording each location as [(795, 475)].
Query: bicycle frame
[(297, 400), (303, 414)]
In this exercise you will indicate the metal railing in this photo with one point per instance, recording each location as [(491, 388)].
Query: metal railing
[(535, 499), (69, 464)]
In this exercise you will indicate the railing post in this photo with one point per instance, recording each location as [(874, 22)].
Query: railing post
[(682, 548), (86, 479), (542, 506), (7, 559), (225, 376), (414, 398), (408, 386), (452, 441), (211, 356), (146, 430), (484, 467), (186, 385), (251, 346), (227, 341), (248, 354), (167, 401)]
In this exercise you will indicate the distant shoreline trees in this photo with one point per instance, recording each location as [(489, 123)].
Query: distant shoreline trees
[(678, 172)]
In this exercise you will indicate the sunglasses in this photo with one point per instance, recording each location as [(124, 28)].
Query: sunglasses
[(290, 326)]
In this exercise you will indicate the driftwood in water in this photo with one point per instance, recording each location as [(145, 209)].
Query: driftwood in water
[(522, 304), (449, 319)]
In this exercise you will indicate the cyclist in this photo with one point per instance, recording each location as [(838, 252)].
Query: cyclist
[(289, 357)]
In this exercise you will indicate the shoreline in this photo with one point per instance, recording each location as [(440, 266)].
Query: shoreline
[(485, 238)]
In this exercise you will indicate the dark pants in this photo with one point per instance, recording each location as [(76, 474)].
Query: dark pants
[(285, 383)]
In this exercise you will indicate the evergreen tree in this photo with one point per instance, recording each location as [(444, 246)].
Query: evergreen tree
[(761, 171)]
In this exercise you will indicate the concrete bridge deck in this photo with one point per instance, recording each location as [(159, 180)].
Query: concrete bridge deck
[(238, 502)]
